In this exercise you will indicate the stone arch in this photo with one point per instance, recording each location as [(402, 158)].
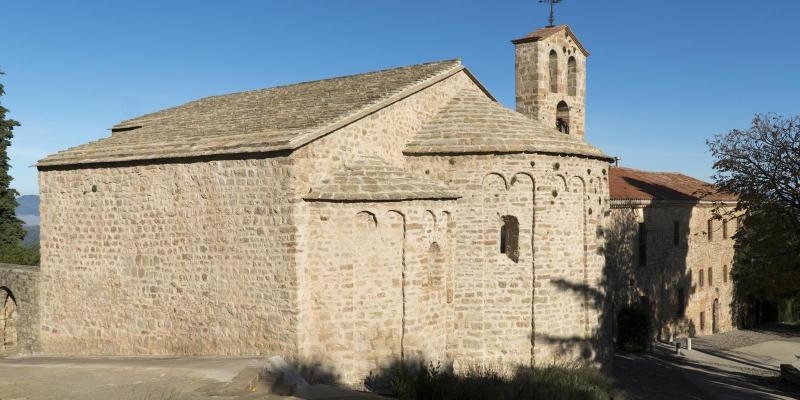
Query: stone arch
[(559, 183), (429, 224), (553, 71), (365, 220), (445, 219), (494, 178), (572, 76), (8, 319)]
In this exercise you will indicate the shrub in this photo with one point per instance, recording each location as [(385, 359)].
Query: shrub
[(633, 328), (19, 254), (431, 382)]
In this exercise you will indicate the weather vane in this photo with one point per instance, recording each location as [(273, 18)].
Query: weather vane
[(552, 4)]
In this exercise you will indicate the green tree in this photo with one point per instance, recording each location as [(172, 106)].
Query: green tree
[(762, 166), (11, 232)]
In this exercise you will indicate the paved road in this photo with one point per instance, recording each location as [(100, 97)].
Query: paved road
[(713, 370)]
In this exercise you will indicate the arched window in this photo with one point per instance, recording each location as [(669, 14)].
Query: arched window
[(553, 71), (509, 237), (572, 76), (562, 117)]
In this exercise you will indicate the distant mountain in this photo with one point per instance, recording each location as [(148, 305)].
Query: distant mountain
[(31, 235), (28, 205), (28, 212)]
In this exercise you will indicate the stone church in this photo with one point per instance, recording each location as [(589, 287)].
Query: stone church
[(347, 222)]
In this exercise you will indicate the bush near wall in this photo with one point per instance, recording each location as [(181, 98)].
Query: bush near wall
[(633, 328), (560, 382), (19, 254)]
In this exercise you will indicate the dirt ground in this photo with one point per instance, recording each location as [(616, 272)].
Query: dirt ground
[(119, 378)]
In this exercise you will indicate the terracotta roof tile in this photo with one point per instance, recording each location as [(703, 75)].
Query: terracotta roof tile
[(544, 33), (632, 184)]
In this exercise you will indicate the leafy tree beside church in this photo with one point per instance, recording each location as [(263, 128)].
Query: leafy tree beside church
[(762, 166), (11, 231)]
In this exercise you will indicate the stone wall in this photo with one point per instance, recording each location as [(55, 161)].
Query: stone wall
[(19, 309), (327, 333), (552, 287), (534, 95), (486, 313), (156, 258), (668, 281), (379, 281)]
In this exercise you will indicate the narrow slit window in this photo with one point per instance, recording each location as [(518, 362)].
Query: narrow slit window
[(711, 230), (509, 237), (725, 274), (702, 321), (676, 233), (724, 229), (710, 277), (700, 278), (553, 71), (572, 77)]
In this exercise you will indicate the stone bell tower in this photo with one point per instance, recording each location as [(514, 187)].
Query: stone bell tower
[(551, 78)]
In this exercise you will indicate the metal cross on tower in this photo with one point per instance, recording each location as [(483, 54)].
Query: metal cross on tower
[(552, 4)]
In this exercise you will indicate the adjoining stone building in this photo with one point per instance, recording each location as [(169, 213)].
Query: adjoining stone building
[(346, 222), (670, 246)]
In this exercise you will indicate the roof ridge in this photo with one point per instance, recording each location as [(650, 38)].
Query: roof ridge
[(128, 122), (662, 173)]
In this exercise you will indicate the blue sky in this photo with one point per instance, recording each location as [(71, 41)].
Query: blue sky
[(663, 75)]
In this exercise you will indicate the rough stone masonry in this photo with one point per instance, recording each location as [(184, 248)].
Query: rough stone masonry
[(346, 223)]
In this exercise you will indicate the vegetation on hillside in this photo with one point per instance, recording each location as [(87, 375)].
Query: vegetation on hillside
[(761, 165), (11, 231)]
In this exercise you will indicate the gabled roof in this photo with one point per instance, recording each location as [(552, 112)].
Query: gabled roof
[(274, 119), (633, 184), (373, 179), (473, 123), (544, 33)]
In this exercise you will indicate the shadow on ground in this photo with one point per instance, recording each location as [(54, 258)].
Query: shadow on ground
[(661, 375)]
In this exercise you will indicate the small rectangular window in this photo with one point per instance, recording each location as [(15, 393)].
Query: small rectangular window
[(725, 273), (724, 229), (710, 230), (700, 277), (676, 233), (710, 277), (642, 245)]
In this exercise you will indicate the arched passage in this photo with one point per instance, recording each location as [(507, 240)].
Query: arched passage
[(8, 319)]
